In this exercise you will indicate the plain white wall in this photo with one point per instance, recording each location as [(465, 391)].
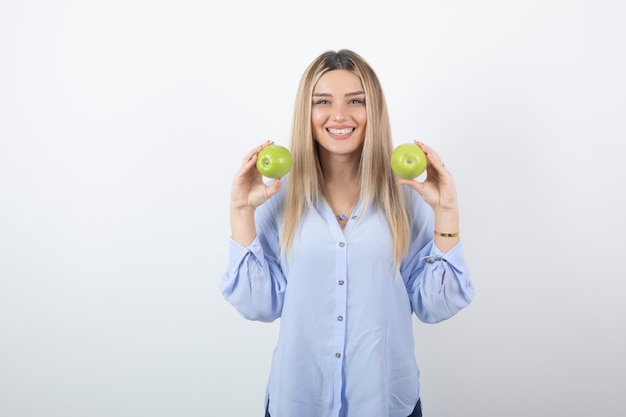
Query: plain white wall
[(122, 123)]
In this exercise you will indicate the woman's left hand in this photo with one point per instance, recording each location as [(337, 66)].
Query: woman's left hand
[(438, 189)]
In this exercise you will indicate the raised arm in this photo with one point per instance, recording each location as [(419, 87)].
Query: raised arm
[(439, 191), (254, 282), (437, 277), (247, 193)]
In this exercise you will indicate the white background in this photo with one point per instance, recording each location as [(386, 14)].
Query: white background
[(123, 121)]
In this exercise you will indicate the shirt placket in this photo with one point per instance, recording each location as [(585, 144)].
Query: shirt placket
[(341, 299)]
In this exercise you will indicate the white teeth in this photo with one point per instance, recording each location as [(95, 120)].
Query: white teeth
[(340, 131)]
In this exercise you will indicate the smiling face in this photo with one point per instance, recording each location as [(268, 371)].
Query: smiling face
[(338, 114)]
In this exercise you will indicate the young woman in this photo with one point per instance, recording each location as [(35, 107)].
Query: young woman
[(343, 252)]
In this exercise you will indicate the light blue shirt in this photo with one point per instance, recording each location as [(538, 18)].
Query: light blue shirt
[(345, 346)]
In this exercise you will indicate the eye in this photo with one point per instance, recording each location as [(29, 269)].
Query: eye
[(356, 101), (321, 101)]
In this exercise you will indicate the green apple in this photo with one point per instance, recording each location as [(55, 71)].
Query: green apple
[(408, 161), (274, 161)]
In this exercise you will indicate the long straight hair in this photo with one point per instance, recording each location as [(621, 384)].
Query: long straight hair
[(378, 183)]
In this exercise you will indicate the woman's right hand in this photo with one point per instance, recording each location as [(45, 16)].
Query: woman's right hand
[(249, 190)]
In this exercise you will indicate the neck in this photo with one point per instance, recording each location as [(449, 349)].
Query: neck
[(342, 196), (340, 169)]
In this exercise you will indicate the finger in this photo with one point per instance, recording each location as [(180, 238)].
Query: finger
[(249, 160), (432, 156), (250, 164), (252, 152)]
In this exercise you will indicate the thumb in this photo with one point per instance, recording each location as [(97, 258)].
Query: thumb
[(413, 183), (273, 188)]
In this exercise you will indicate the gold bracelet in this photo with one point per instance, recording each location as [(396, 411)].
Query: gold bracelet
[(455, 234)]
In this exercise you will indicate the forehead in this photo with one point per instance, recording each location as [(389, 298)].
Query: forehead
[(338, 81)]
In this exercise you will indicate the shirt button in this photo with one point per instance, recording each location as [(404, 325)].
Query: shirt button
[(427, 260), (338, 355), (340, 318), (340, 282), (342, 244)]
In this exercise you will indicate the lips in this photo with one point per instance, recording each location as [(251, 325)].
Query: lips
[(340, 133), (343, 131)]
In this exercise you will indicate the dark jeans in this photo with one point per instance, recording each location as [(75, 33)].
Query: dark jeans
[(417, 411)]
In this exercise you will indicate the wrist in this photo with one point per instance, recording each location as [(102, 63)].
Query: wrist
[(446, 234), (446, 219), (241, 207)]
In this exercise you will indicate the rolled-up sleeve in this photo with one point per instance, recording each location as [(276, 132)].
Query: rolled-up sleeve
[(438, 283), (253, 283)]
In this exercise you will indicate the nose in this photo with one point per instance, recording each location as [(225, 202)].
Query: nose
[(340, 114)]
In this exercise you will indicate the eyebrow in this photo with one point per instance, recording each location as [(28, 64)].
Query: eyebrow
[(355, 93)]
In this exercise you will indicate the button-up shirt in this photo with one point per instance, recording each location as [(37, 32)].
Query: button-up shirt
[(345, 346)]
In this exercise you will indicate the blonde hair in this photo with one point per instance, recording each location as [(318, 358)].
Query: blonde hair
[(378, 183)]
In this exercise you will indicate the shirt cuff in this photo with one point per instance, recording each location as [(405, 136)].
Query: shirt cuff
[(238, 252), (452, 256)]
